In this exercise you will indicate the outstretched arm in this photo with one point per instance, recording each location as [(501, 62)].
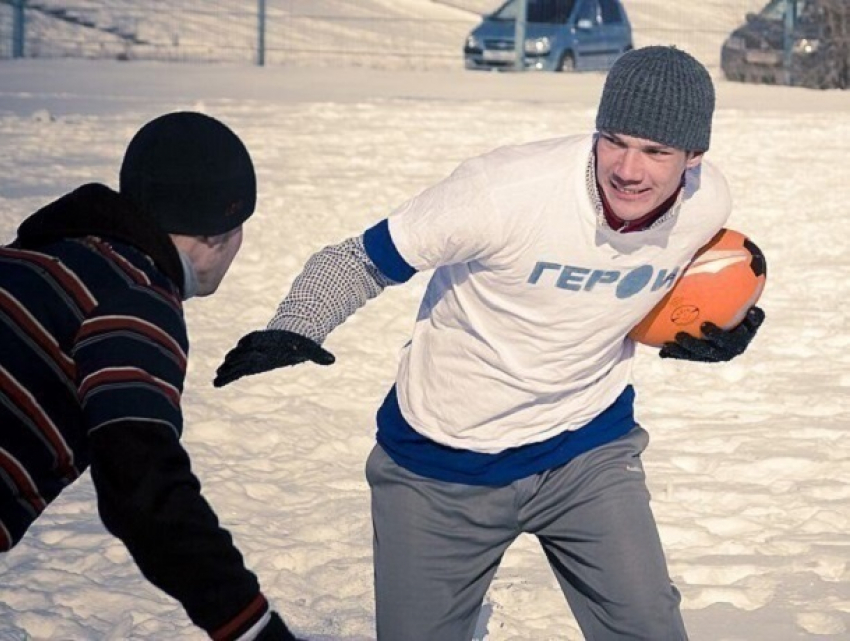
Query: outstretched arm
[(130, 358), (335, 283), (149, 498)]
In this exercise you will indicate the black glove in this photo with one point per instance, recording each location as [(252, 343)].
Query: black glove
[(718, 345), (266, 350), (275, 630)]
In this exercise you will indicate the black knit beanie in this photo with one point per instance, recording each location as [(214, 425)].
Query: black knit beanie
[(191, 174), (661, 94)]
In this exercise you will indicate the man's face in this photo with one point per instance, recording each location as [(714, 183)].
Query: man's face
[(219, 254), (210, 256), (637, 175)]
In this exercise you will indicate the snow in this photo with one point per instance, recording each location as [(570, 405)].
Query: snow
[(749, 464)]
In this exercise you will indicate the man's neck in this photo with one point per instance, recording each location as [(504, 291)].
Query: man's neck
[(625, 226)]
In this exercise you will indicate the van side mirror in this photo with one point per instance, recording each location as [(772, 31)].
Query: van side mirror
[(584, 24)]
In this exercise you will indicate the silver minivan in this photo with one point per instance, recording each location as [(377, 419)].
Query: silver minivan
[(560, 35)]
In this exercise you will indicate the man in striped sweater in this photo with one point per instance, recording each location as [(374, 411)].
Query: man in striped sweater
[(93, 360)]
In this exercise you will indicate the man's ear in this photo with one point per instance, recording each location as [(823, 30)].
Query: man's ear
[(694, 158)]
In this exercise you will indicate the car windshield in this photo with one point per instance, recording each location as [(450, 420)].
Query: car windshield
[(541, 11), (775, 9)]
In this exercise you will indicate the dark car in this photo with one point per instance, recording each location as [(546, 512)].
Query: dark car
[(755, 51), (560, 35)]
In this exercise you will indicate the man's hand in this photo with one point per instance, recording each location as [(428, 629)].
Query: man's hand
[(718, 345), (266, 350)]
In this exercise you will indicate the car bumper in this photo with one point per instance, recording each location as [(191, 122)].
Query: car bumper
[(505, 61), (767, 67)]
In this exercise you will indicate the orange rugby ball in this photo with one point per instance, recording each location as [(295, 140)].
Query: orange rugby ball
[(724, 279)]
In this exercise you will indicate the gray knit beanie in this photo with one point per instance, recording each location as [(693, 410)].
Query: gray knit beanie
[(661, 94)]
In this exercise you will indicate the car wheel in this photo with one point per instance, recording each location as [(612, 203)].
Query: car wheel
[(567, 64)]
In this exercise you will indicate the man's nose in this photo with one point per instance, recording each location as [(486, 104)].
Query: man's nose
[(630, 167)]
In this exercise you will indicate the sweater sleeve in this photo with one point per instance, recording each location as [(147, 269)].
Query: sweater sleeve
[(130, 356), (335, 283), (149, 498)]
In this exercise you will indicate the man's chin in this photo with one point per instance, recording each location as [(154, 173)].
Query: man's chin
[(630, 214)]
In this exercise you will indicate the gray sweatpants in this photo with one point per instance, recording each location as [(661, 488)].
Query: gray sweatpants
[(437, 546)]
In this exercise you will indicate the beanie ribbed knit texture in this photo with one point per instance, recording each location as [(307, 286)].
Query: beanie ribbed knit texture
[(191, 174), (661, 94)]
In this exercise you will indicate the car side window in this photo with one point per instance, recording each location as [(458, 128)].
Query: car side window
[(611, 13), (589, 10), (549, 11)]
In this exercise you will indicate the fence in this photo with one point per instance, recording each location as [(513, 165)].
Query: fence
[(314, 32), (6, 36)]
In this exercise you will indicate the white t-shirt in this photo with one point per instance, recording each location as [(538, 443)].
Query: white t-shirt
[(521, 334)]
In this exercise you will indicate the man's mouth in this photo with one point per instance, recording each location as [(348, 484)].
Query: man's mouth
[(628, 191)]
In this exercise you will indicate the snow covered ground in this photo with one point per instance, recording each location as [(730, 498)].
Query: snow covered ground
[(749, 463)]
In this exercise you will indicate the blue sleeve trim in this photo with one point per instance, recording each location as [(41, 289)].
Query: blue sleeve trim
[(382, 251)]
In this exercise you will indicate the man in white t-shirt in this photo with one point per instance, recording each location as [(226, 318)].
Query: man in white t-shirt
[(512, 411)]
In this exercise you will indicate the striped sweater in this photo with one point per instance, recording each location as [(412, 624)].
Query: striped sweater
[(93, 351)]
